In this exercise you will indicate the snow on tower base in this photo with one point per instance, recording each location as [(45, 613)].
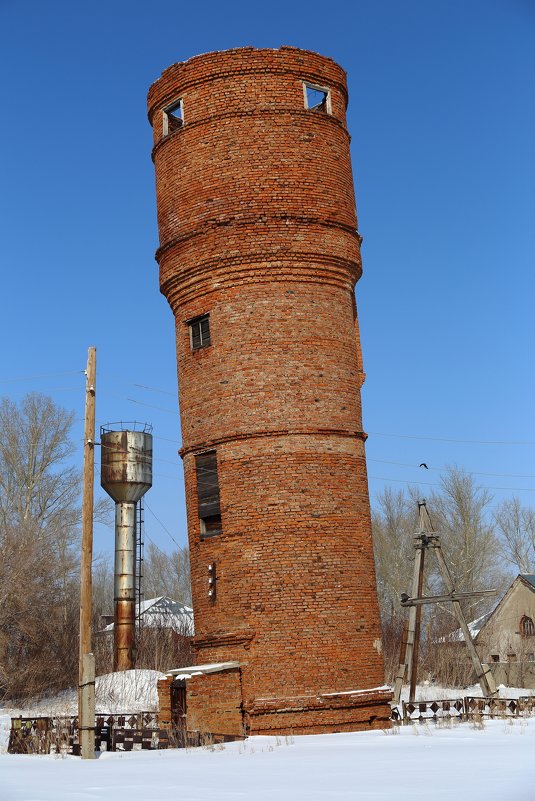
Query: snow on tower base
[(259, 255)]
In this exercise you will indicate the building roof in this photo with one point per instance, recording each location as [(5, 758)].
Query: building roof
[(164, 612), (474, 627)]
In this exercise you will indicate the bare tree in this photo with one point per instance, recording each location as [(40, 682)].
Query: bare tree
[(39, 514), (516, 526), (461, 515), (167, 573), (393, 526)]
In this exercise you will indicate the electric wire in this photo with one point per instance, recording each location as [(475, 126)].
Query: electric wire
[(14, 379), (145, 504), (460, 441), (443, 469)]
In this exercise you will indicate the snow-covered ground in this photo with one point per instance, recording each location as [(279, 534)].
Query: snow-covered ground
[(126, 691), (433, 692), (435, 763), (492, 761)]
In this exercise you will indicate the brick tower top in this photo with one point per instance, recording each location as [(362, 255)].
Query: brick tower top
[(224, 170)]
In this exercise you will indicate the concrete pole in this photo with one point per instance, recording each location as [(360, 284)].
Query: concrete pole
[(86, 721)]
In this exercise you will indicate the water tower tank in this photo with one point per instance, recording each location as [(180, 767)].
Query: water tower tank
[(126, 465), (126, 475)]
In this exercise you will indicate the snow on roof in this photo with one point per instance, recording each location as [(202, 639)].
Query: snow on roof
[(474, 627), (164, 612), (200, 670)]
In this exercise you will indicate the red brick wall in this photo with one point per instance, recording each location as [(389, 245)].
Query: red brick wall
[(164, 701), (257, 225), (214, 703)]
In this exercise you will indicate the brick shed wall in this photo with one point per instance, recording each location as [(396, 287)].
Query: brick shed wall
[(258, 228), (214, 703)]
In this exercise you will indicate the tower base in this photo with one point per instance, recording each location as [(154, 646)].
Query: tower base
[(320, 714), (214, 705)]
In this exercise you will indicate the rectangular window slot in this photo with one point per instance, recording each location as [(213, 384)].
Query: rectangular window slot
[(199, 329), (208, 494), (173, 117), (317, 98)]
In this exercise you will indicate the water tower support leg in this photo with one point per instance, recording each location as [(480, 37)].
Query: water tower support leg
[(125, 595)]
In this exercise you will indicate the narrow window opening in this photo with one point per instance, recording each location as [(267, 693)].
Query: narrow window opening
[(199, 329), (527, 627), (173, 117), (317, 98), (208, 494)]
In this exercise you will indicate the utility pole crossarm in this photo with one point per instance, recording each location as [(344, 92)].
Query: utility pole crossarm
[(454, 596)]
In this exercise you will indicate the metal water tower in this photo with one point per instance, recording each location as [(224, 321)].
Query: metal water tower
[(126, 475)]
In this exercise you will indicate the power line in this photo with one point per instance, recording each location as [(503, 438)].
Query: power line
[(150, 406), (430, 484), (154, 389), (39, 375), (161, 524), (441, 469), (461, 441)]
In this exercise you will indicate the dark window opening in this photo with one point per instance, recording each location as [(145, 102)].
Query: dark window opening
[(211, 525), (317, 98), (173, 118), (527, 627), (208, 494), (178, 703), (200, 332), (495, 657)]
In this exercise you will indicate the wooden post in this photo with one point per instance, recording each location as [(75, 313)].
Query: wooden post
[(86, 719), (484, 675), (417, 626), (84, 701), (405, 666)]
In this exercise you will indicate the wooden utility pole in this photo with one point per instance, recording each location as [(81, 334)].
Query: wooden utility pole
[(427, 538), (86, 694), (417, 625)]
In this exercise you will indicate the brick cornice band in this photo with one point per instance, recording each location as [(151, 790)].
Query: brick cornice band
[(189, 128), (208, 445), (257, 221), (226, 638)]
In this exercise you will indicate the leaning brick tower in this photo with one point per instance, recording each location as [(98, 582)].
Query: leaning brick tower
[(258, 259)]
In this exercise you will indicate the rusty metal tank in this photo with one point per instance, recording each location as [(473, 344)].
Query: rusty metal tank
[(126, 463)]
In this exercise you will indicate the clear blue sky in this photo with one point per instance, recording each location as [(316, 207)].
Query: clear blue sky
[(442, 117)]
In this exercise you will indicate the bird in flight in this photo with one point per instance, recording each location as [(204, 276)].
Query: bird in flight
[(424, 465)]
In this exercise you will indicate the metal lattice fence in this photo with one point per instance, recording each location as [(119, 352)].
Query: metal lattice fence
[(467, 708)]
